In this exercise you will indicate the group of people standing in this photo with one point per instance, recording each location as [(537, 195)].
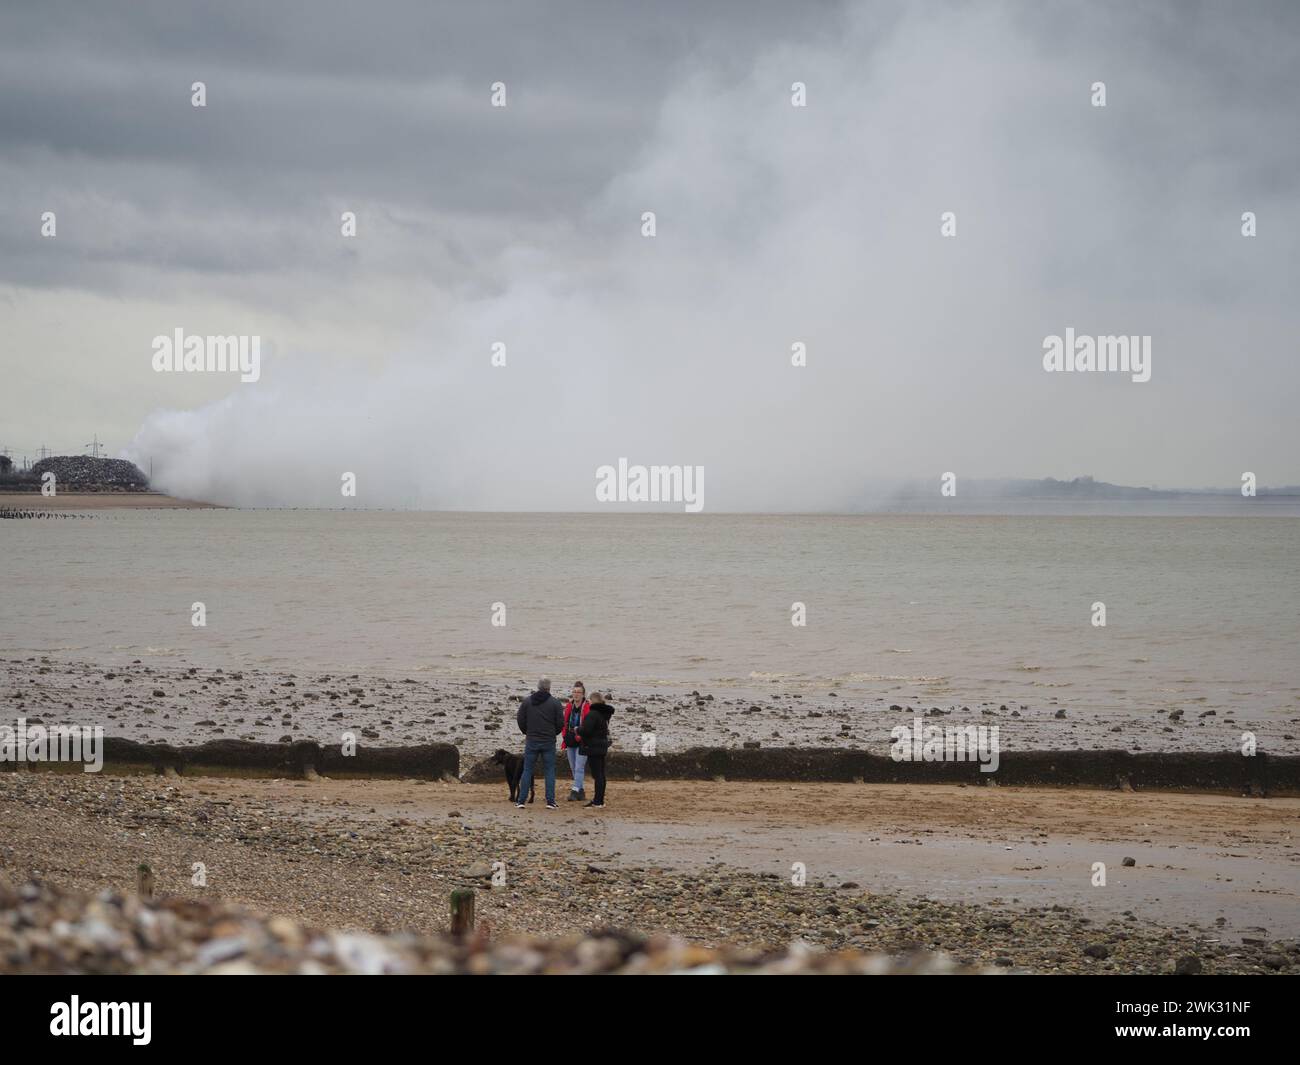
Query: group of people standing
[(582, 725)]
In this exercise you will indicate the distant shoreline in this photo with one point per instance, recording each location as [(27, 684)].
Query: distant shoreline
[(99, 500), (109, 499)]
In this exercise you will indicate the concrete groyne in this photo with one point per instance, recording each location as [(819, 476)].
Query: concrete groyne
[(303, 759), (1261, 774)]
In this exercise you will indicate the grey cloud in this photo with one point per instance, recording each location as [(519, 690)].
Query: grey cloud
[(775, 224)]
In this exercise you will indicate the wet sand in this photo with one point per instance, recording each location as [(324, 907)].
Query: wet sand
[(1200, 859), (162, 697)]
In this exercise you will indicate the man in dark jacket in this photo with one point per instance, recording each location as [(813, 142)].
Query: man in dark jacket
[(593, 734), (540, 719)]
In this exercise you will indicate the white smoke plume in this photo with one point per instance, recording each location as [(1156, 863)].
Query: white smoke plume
[(779, 224)]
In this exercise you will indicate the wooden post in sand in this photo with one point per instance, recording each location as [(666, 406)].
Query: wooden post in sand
[(462, 911), (144, 881)]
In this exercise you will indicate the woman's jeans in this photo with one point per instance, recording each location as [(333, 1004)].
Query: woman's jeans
[(577, 765)]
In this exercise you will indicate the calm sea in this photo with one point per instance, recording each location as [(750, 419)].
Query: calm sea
[(1199, 610)]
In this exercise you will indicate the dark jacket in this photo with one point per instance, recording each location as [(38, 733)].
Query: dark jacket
[(594, 733), (541, 717)]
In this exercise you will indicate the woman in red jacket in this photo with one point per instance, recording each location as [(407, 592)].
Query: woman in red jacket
[(575, 712)]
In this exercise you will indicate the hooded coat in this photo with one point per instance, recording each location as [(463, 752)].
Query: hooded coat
[(594, 732), (541, 718)]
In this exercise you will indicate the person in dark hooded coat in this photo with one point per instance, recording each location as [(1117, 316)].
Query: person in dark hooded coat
[(540, 719), (593, 735)]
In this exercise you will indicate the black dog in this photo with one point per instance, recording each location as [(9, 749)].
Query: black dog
[(514, 764)]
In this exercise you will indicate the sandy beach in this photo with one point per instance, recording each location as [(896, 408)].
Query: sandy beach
[(993, 877)]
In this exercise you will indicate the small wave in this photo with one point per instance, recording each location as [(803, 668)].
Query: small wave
[(494, 653), (485, 654), (467, 671)]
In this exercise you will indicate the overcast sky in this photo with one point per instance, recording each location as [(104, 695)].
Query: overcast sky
[(775, 224)]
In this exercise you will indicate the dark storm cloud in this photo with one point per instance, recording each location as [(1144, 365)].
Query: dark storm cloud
[(313, 103)]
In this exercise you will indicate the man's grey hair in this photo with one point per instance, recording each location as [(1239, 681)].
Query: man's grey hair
[(544, 684)]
